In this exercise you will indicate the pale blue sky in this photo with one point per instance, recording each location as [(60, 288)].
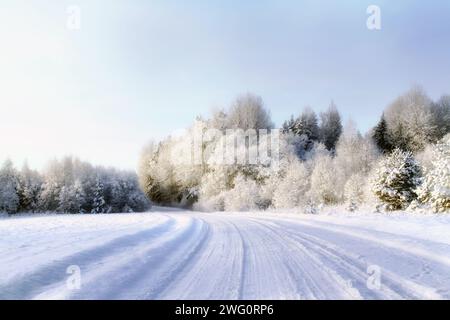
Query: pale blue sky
[(141, 69)]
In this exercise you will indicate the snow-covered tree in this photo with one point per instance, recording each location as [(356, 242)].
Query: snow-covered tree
[(291, 191), (323, 181), (288, 125), (330, 127), (9, 184), (219, 119), (53, 181), (212, 188), (248, 112), (305, 126), (136, 202), (410, 121), (441, 113), (426, 157), (126, 195), (396, 179), (71, 198), (30, 183), (355, 154), (435, 189), (99, 203), (244, 196), (354, 193)]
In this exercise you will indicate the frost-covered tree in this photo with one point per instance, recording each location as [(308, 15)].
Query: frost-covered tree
[(172, 172), (410, 121), (354, 192), (355, 154), (53, 181), (136, 202), (71, 198), (244, 196), (99, 203), (396, 179), (441, 113), (169, 173), (330, 127), (435, 189), (323, 181), (213, 185), (291, 191), (9, 184), (288, 125), (125, 194), (248, 112), (30, 182), (306, 126), (219, 119)]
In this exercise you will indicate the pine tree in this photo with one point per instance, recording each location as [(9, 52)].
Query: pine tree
[(381, 136), (396, 178), (330, 127), (71, 198), (29, 188), (306, 125), (288, 125), (49, 196), (99, 203)]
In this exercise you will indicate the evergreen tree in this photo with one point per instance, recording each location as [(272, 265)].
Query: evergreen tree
[(381, 136), (330, 127), (99, 203), (30, 183), (71, 198), (306, 125), (396, 179), (288, 125)]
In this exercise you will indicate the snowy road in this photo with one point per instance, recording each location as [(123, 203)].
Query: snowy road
[(185, 255)]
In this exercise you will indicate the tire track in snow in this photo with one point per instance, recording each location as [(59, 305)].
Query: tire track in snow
[(144, 275), (311, 277), (394, 286), (32, 283), (244, 262), (214, 272), (351, 271)]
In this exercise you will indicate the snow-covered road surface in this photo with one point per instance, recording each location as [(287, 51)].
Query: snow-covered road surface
[(188, 255)]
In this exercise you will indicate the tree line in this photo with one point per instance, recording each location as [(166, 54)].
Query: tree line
[(69, 186)]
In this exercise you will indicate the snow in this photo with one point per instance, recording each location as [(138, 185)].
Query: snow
[(175, 254)]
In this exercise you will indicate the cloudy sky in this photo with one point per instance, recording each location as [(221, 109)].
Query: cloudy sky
[(138, 70)]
